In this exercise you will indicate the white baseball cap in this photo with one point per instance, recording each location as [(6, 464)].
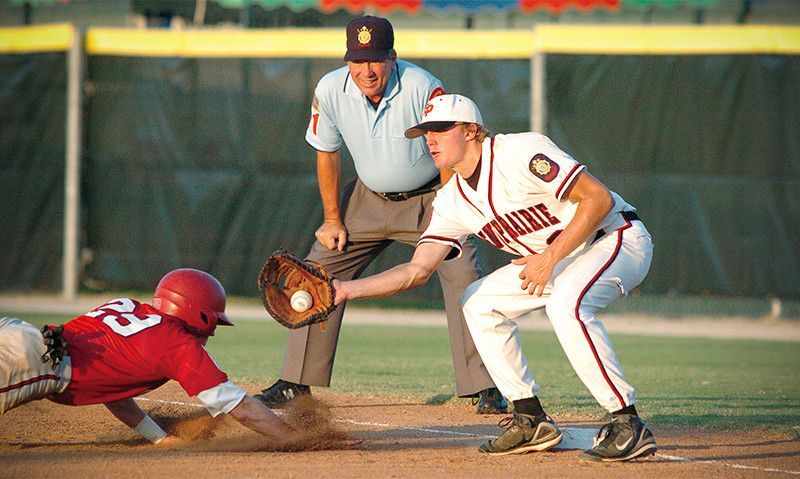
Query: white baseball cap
[(444, 111)]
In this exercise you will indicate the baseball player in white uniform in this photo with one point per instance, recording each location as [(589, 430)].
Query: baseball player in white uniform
[(580, 247)]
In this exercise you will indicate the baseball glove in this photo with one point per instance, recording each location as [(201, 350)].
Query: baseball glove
[(282, 275)]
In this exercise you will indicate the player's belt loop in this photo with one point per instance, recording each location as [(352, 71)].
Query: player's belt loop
[(432, 185), (628, 215)]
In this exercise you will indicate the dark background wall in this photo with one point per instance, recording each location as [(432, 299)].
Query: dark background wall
[(202, 163)]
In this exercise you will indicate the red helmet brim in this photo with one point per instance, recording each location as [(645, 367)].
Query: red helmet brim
[(222, 320)]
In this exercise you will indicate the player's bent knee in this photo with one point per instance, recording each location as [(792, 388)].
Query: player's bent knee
[(560, 308)]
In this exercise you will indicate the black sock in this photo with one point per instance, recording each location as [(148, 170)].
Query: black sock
[(529, 406), (629, 410)]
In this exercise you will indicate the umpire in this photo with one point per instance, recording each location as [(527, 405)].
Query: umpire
[(367, 105)]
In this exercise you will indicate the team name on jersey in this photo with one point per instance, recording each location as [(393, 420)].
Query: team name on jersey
[(502, 230)]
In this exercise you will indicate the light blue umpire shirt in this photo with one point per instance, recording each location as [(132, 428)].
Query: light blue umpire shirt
[(385, 160)]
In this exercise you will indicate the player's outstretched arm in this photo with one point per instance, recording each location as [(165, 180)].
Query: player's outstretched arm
[(416, 272), (130, 414), (253, 414)]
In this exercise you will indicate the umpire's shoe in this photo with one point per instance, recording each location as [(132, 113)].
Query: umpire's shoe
[(624, 438), (280, 393), (524, 434), (490, 401)]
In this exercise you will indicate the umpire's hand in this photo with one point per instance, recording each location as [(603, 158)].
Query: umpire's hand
[(332, 234)]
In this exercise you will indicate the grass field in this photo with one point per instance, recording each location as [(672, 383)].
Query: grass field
[(679, 381)]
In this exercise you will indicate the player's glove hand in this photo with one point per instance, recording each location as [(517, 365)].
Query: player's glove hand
[(56, 345), (281, 276)]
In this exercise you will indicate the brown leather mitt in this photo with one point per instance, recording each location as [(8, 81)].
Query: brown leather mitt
[(284, 274)]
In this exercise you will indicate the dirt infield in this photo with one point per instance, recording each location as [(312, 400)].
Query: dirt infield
[(400, 439)]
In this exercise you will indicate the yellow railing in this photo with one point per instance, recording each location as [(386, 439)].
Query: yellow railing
[(667, 40), (35, 39), (466, 44)]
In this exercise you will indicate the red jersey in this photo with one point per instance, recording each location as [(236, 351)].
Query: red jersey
[(125, 348)]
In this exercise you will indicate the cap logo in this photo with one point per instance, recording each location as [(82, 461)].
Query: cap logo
[(428, 109), (364, 36), (439, 91), (543, 167)]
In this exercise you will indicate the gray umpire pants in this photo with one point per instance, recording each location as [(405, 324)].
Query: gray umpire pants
[(373, 223)]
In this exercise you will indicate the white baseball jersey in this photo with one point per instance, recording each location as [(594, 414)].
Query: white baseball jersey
[(519, 205)]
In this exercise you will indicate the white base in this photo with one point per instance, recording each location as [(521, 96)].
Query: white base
[(576, 438)]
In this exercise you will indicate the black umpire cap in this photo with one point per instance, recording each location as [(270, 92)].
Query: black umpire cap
[(369, 39)]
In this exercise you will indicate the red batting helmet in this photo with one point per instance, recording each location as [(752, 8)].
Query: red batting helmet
[(193, 296)]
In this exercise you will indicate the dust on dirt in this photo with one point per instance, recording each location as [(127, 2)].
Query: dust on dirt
[(310, 417)]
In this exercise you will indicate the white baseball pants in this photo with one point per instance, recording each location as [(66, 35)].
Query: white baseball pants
[(581, 284), (23, 375)]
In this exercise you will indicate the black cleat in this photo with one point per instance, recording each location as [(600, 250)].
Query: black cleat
[(524, 433), (490, 401), (624, 438), (280, 393)]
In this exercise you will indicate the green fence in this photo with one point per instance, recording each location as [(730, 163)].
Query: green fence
[(198, 159)]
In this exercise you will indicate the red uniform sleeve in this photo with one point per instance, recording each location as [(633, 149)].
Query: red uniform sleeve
[(193, 368)]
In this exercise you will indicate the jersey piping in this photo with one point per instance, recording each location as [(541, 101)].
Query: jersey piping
[(28, 382), (497, 217), (570, 178), (464, 195), (453, 243)]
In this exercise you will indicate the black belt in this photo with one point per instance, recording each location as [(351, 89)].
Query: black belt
[(628, 215), (432, 185)]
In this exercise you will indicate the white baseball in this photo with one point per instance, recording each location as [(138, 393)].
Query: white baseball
[(301, 301)]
